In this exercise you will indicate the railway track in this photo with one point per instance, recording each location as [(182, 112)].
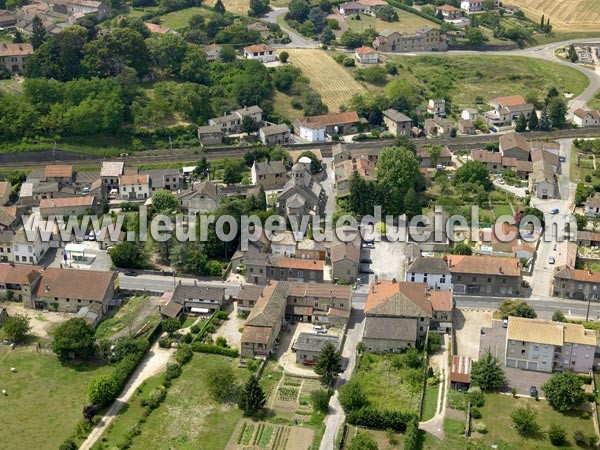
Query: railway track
[(215, 153)]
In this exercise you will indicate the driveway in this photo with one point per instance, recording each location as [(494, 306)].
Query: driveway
[(152, 364), (96, 259), (230, 329), (467, 327)]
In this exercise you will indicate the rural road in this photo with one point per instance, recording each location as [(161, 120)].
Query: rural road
[(152, 364), (297, 41)]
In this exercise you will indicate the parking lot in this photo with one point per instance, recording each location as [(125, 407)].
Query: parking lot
[(388, 260), (494, 339), (467, 326), (95, 259)]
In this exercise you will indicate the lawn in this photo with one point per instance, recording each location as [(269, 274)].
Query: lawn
[(472, 80), (502, 209), (381, 437), (496, 416), (45, 398), (179, 19), (594, 103), (234, 6), (407, 23), (585, 168), (327, 77), (430, 402), (565, 15), (125, 317), (388, 387), (188, 418), (283, 106)]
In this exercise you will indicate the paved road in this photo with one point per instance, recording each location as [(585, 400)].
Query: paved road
[(335, 417), (159, 283), (296, 40)]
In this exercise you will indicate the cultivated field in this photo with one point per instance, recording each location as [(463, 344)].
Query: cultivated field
[(234, 6), (565, 15), (327, 77), (406, 23)]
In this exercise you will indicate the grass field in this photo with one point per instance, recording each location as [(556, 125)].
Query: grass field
[(565, 15), (123, 318), (406, 23), (496, 416), (386, 386), (595, 102), (327, 77), (585, 168), (179, 19), (475, 79), (45, 398), (234, 6), (430, 402)]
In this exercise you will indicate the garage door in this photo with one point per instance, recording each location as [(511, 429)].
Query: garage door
[(532, 366), (510, 363), (522, 365)]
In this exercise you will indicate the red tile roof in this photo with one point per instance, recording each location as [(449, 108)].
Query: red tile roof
[(66, 202), (15, 49), (441, 300), (297, 263), (59, 171), (486, 265), (134, 179)]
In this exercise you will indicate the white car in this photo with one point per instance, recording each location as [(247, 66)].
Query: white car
[(500, 181), (551, 260)]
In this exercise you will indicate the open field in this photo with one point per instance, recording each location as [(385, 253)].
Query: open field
[(386, 386), (472, 80), (406, 23), (234, 6), (595, 102), (565, 15), (45, 398), (327, 77), (380, 436), (179, 19), (127, 320)]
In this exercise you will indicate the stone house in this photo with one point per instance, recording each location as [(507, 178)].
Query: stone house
[(578, 284), (272, 135), (433, 271), (269, 175), (484, 275), (199, 299), (397, 123), (583, 118), (69, 206), (210, 135), (308, 346), (201, 197), (345, 258), (424, 39), (14, 56)]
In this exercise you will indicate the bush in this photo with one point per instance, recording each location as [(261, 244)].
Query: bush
[(475, 413), (411, 438), (590, 396), (221, 315), (382, 419), (480, 428), (156, 397), (434, 342), (557, 435), (221, 342), (187, 338), (195, 329), (475, 396), (585, 415), (183, 355), (587, 379), (201, 347), (102, 390), (320, 400), (581, 439), (172, 371), (523, 419)]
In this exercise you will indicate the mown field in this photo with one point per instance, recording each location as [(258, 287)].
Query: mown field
[(45, 398), (564, 15), (406, 23), (177, 20), (328, 78), (234, 6), (595, 102), (475, 79)]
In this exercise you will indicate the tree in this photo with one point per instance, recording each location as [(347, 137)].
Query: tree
[(283, 56), (252, 397), (329, 364), (171, 325), (249, 125), (164, 201), (74, 339), (308, 28), (318, 18), (221, 382), (582, 221), (315, 164), (128, 255), (552, 93), (558, 316), (135, 24), (474, 172), (320, 400), (362, 441), (38, 33), (102, 390), (435, 152), (516, 308), (521, 124), (352, 396), (110, 54), (557, 435), (167, 52), (564, 391), (89, 412), (557, 110), (227, 53), (412, 206), (475, 37), (386, 13), (572, 54), (258, 7), (397, 171), (327, 36), (299, 10), (219, 7), (16, 327), (523, 420), (532, 124), (18, 37), (487, 373), (461, 249)]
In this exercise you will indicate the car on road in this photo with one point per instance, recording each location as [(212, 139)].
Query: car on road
[(533, 391), (500, 181), (366, 270), (551, 260), (562, 159), (130, 273), (366, 261), (554, 211)]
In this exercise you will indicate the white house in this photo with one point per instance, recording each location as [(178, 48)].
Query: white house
[(316, 128), (437, 107), (283, 243), (433, 271), (469, 114), (134, 187), (26, 250), (261, 52), (583, 118), (471, 5), (366, 55)]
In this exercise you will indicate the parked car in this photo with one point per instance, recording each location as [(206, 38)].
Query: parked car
[(500, 181), (562, 159), (533, 391), (551, 260), (130, 273), (554, 211), (366, 261), (320, 329), (505, 323)]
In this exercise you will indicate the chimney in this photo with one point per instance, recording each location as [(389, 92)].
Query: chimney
[(373, 287), (589, 271), (179, 282), (500, 270), (47, 288), (394, 280), (195, 282)]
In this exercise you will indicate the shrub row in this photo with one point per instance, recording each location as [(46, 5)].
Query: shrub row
[(412, 10), (201, 347), (381, 419), (411, 438)]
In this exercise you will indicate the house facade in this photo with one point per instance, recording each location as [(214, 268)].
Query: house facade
[(134, 187), (199, 299), (201, 197), (471, 5), (366, 55), (269, 174), (484, 275), (232, 122), (583, 118), (308, 346), (424, 39), (14, 56), (275, 135), (68, 206), (260, 52), (316, 128), (433, 271), (578, 284), (397, 123)]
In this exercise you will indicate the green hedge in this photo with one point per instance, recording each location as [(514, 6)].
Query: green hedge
[(411, 438), (381, 419), (412, 10), (201, 347)]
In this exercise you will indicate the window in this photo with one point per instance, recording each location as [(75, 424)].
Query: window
[(474, 279)]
